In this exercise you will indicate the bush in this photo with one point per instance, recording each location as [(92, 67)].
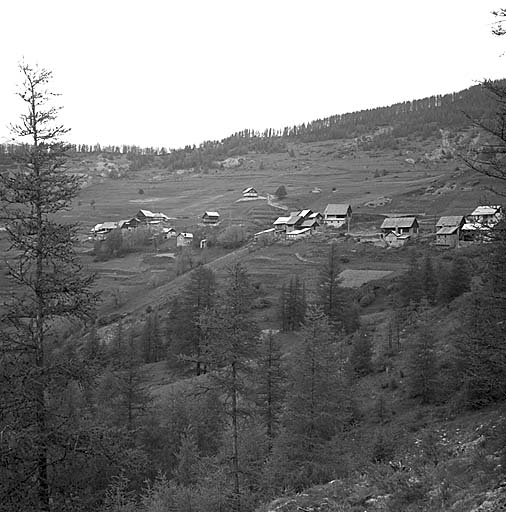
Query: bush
[(232, 237), (281, 192)]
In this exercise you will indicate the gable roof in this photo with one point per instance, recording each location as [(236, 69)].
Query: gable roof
[(249, 189), (212, 214), (308, 223), (147, 213), (293, 219), (281, 221), (448, 230), (151, 215), (398, 222), (109, 225), (337, 209), (475, 226), (185, 235), (450, 220), (486, 210)]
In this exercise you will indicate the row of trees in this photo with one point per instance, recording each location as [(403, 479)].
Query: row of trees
[(423, 117)]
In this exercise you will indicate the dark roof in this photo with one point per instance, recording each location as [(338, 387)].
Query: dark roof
[(294, 219), (337, 209), (451, 220), (399, 222), (448, 230)]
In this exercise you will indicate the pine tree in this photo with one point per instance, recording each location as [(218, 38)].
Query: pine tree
[(186, 345), (316, 408), (187, 459), (152, 346), (50, 287), (231, 346), (131, 384), (361, 354), (422, 365), (270, 378), (428, 278), (293, 304), (459, 278), (335, 301), (92, 349), (411, 287)]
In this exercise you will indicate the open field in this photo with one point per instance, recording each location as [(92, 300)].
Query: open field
[(375, 184)]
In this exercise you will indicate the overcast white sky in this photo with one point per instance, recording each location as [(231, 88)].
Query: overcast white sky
[(176, 72)]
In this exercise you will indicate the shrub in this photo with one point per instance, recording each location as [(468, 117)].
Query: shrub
[(232, 237), (281, 192)]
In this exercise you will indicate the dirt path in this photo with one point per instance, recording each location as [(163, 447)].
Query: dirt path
[(271, 202)]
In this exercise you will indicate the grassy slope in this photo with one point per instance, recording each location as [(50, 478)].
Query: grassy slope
[(344, 175)]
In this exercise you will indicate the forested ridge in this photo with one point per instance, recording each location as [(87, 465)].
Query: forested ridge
[(416, 118)]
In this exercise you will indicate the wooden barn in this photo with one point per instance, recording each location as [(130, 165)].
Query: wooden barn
[(337, 215)]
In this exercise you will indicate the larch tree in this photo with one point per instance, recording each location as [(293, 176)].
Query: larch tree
[(336, 302), (293, 305), (50, 289), (231, 347), (185, 332), (316, 408), (271, 381), (361, 353), (422, 365)]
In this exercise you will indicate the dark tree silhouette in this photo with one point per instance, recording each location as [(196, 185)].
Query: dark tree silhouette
[(50, 288)]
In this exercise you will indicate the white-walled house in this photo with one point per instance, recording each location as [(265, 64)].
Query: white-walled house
[(184, 239), (337, 215)]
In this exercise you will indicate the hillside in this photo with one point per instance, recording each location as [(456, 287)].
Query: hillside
[(419, 178), (409, 416)]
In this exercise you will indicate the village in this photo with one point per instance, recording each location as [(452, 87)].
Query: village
[(450, 231)]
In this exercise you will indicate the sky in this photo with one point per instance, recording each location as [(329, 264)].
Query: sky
[(167, 73)]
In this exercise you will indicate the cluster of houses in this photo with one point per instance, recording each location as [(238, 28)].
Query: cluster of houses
[(303, 223), (157, 222), (395, 231), (451, 230)]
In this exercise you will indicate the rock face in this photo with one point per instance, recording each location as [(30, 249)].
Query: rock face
[(232, 163), (444, 152)]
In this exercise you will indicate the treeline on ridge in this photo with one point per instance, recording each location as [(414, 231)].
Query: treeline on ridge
[(423, 117)]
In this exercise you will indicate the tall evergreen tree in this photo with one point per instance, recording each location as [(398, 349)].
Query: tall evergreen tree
[(152, 345), (422, 365), (336, 302), (293, 304), (429, 280), (411, 286), (270, 378), (361, 353), (457, 280), (231, 346), (50, 287), (316, 408)]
